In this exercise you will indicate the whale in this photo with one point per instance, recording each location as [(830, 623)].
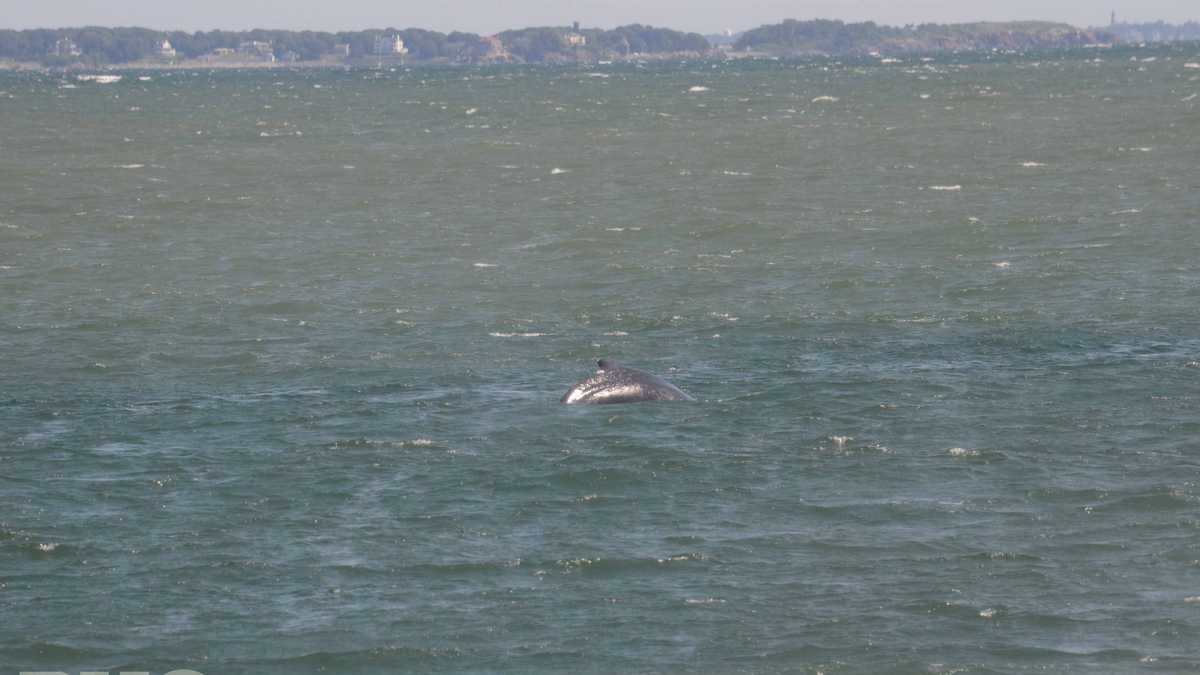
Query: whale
[(614, 383)]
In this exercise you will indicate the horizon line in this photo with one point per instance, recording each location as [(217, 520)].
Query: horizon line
[(570, 23)]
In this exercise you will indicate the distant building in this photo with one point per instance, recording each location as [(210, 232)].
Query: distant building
[(390, 45), (342, 49), (249, 51), (575, 38), (166, 50), (257, 49), (66, 47)]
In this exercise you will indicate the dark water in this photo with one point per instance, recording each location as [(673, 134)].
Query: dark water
[(281, 354)]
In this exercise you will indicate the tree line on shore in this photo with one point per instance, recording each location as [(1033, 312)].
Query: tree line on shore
[(1156, 31), (838, 38), (110, 46), (99, 46)]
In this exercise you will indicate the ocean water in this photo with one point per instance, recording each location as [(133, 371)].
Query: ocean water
[(281, 353)]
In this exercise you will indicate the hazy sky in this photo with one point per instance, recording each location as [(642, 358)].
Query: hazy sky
[(478, 16)]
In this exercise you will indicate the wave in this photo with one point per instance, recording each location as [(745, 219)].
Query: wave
[(1093, 500), (399, 657)]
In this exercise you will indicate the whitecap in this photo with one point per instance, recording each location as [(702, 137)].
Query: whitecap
[(129, 166), (962, 452), (697, 89), (556, 171), (825, 99), (1003, 264), (1191, 64), (616, 333), (486, 265), (523, 335), (946, 188), (682, 557), (99, 79), (48, 431), (1030, 165), (1185, 99)]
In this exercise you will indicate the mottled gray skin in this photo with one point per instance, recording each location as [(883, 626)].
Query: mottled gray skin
[(617, 384)]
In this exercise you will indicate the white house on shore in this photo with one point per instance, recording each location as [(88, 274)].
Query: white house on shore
[(66, 47), (390, 46)]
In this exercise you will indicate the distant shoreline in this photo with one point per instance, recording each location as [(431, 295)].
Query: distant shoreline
[(105, 49)]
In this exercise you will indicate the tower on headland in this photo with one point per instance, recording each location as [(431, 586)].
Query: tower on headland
[(575, 38), (1112, 20)]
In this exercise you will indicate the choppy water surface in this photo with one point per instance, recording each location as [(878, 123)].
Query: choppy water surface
[(282, 353)]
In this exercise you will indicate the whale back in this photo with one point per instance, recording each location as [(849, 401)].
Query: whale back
[(614, 383)]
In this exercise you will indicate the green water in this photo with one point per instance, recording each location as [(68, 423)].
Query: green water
[(281, 356)]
